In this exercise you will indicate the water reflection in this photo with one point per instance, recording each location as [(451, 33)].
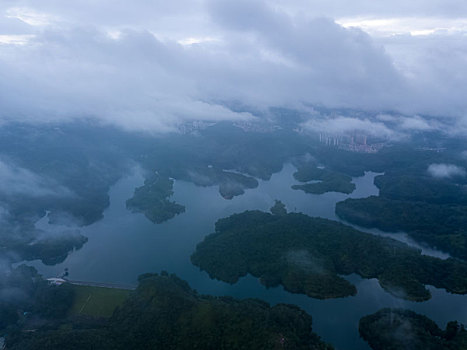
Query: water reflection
[(124, 245)]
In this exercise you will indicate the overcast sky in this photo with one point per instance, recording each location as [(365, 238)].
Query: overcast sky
[(150, 64)]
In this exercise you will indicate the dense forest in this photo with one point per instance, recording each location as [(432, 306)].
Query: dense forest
[(395, 329), (307, 255), (152, 200), (324, 180), (422, 188), (165, 313), (29, 300), (282, 170), (72, 166), (431, 209), (440, 225), (68, 169), (278, 208)]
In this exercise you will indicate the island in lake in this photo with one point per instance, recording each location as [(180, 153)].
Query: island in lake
[(395, 329), (152, 199), (324, 180), (309, 256), (230, 183)]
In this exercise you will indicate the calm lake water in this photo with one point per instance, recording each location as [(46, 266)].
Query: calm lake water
[(123, 245)]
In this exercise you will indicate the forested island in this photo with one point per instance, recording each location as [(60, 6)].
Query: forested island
[(165, 313), (152, 199), (231, 184), (67, 169), (324, 180), (308, 255), (396, 329)]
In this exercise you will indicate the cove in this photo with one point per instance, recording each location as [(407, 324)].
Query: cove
[(123, 245)]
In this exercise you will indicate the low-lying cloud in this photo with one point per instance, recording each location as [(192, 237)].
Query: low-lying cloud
[(341, 125), (15, 180), (446, 170)]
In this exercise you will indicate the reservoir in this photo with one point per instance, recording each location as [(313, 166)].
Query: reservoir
[(123, 245)]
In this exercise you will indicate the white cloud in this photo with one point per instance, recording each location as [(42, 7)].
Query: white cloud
[(15, 39), (415, 26), (29, 16), (445, 170)]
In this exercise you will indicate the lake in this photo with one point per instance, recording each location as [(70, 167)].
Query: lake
[(123, 245)]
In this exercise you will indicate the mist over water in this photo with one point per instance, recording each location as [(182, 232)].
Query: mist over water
[(89, 87), (123, 245)]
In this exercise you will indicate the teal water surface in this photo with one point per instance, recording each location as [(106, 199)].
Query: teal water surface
[(123, 245)]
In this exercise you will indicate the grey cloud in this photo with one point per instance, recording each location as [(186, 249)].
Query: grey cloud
[(315, 60), (166, 18), (339, 8), (316, 44), (261, 54), (118, 11), (138, 81), (14, 26), (436, 70), (247, 15), (135, 81)]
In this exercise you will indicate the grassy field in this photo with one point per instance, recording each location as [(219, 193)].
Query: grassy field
[(97, 301)]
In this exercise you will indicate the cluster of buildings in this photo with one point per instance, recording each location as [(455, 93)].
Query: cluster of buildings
[(354, 142), (193, 126)]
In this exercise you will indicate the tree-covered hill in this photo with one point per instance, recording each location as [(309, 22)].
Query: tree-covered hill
[(399, 329), (308, 255), (165, 313)]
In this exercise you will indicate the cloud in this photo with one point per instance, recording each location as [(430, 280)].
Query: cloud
[(142, 82), (369, 8), (15, 181), (153, 65), (29, 16), (415, 123), (341, 125), (446, 170), (317, 60), (413, 26), (135, 81), (13, 26)]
